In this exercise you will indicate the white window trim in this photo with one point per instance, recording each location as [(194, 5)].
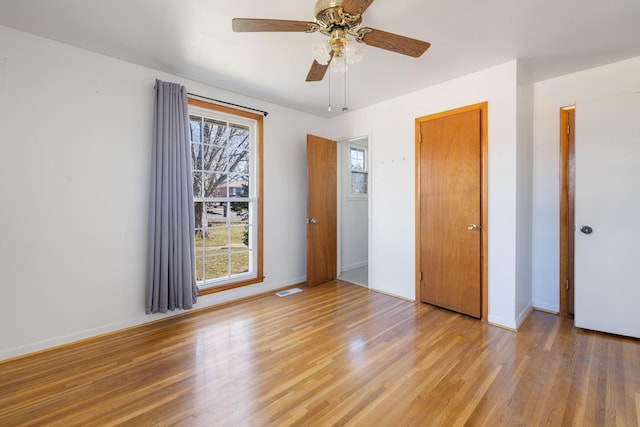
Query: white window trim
[(351, 195)]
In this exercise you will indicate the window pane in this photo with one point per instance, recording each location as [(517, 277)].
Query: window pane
[(199, 244), (196, 157), (217, 214), (239, 212), (238, 186), (213, 131), (199, 269), (196, 128), (217, 241), (216, 267), (198, 210), (241, 166), (239, 238), (358, 182), (214, 158), (239, 138), (357, 158), (214, 185), (197, 184), (239, 262)]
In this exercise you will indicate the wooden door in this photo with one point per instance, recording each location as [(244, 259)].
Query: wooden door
[(607, 202), (571, 187), (567, 208), (321, 210), (450, 185)]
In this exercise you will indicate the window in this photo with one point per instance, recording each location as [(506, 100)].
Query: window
[(359, 170), (226, 152)]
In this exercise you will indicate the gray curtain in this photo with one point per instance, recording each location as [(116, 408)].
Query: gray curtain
[(171, 276)]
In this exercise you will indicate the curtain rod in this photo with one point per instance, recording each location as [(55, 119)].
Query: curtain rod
[(264, 113)]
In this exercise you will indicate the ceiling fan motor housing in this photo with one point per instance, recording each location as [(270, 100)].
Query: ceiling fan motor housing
[(329, 15), (327, 11)]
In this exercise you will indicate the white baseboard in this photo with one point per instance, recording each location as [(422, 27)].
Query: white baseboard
[(502, 322), (524, 314), (354, 266), (203, 302), (551, 308)]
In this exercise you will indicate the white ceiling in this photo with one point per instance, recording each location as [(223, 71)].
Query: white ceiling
[(193, 39)]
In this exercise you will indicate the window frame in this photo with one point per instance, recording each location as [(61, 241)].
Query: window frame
[(198, 106)]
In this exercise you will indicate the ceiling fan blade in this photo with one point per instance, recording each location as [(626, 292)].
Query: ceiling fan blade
[(262, 25), (395, 42), (356, 7), (317, 70)]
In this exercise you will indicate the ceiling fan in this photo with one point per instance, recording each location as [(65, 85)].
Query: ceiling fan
[(336, 19)]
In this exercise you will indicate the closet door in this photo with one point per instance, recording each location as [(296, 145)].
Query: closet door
[(607, 215)]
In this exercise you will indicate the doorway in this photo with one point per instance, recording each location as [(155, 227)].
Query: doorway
[(354, 186), (451, 210), (338, 185)]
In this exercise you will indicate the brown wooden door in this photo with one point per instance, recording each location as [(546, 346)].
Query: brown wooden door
[(567, 208), (571, 172), (321, 210), (450, 212)]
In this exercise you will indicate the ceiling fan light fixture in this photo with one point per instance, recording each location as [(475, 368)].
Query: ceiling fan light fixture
[(354, 51), (321, 52), (351, 52), (339, 65), (338, 42)]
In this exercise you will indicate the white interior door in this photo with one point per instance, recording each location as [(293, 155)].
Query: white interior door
[(607, 261)]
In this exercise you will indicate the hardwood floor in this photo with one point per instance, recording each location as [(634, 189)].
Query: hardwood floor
[(337, 354)]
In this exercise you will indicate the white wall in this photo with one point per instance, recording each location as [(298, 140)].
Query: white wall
[(75, 137), (354, 214), (524, 182), (549, 96), (392, 125)]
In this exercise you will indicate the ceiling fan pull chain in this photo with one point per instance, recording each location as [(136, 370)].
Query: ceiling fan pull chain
[(345, 108), (329, 108)]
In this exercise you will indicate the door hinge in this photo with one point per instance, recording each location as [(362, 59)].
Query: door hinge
[(419, 138), (568, 129), (421, 276), (567, 284)]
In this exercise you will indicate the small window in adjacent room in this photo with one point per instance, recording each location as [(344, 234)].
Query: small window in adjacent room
[(226, 161), (359, 171)]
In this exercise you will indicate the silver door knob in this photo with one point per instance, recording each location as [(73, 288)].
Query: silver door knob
[(311, 221), (472, 227), (586, 229)]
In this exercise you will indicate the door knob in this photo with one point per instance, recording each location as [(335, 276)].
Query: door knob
[(472, 227), (311, 221), (586, 229)]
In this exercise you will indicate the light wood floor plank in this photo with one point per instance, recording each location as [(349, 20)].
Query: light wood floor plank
[(337, 354)]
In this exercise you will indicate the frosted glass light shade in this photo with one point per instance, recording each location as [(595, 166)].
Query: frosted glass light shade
[(322, 52), (353, 53)]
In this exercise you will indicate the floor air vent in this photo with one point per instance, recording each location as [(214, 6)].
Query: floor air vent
[(288, 292)]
